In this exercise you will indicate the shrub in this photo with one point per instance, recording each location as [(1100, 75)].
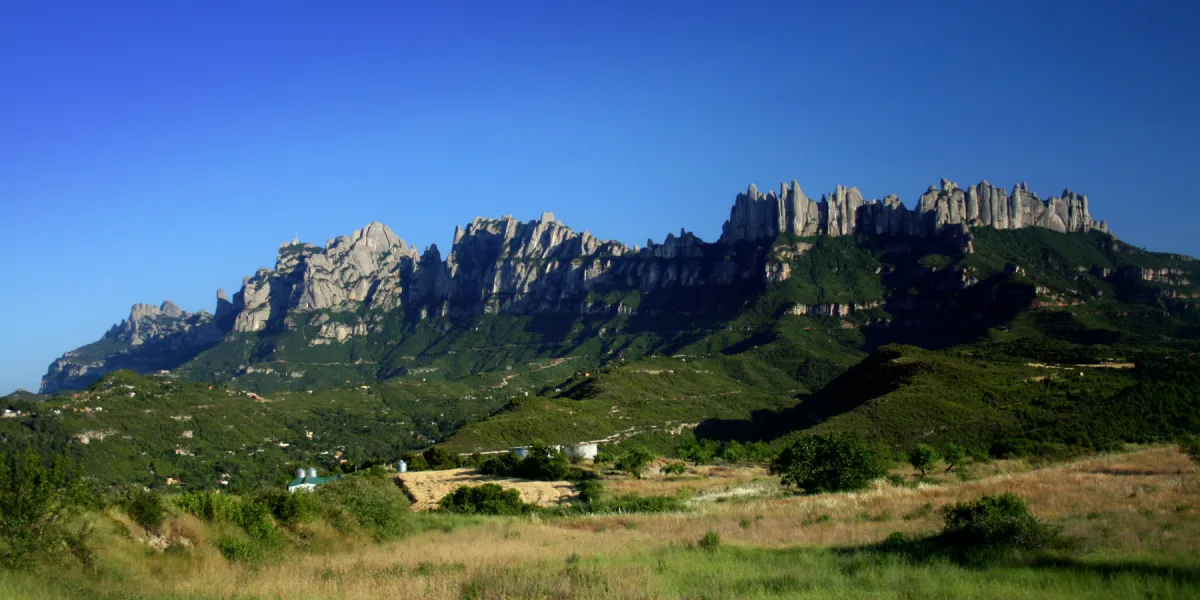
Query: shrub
[(145, 507), (502, 464), (953, 455), (288, 507), (589, 490), (698, 451), (486, 499), (675, 468), (635, 461), (1191, 447), (922, 457), (439, 459), (37, 507), (759, 452), (604, 457), (710, 541), (375, 503), (416, 462), (733, 452), (828, 463), (544, 464), (994, 522)]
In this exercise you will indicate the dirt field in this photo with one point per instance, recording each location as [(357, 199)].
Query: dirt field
[(427, 487)]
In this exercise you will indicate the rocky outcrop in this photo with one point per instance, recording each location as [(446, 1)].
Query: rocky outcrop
[(832, 309), (151, 339), (758, 217)]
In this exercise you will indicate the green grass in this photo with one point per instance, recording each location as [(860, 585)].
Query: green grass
[(744, 572)]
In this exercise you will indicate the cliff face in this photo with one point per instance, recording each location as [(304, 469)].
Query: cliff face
[(540, 266), (151, 339), (757, 216)]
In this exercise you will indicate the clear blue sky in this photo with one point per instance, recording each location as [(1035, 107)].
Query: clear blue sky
[(153, 150)]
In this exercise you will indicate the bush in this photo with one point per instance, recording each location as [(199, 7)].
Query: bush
[(828, 463), (698, 451), (416, 462), (759, 452), (145, 507), (733, 452), (289, 507), (544, 464), (635, 461), (373, 502), (1000, 522), (710, 541), (589, 491), (1191, 447), (439, 459), (922, 457), (953, 455), (502, 464), (486, 499), (37, 506), (675, 468)]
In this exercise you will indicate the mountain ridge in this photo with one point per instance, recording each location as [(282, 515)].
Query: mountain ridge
[(542, 266)]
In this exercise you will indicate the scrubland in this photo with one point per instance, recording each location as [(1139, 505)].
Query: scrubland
[(1133, 521)]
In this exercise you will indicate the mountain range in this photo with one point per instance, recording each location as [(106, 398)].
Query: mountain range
[(361, 284)]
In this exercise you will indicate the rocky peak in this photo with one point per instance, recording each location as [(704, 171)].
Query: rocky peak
[(755, 217)]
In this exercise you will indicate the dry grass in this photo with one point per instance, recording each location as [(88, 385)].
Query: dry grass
[(1131, 500), (1142, 490), (428, 487)]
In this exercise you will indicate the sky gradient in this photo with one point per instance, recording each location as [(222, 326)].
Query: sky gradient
[(155, 150)]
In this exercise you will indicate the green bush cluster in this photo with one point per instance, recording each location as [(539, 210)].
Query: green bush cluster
[(705, 451), (829, 463), (38, 506), (541, 463), (486, 499)]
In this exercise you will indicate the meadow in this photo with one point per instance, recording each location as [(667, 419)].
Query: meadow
[(1132, 520)]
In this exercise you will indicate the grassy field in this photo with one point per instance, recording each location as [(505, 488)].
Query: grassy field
[(1134, 518)]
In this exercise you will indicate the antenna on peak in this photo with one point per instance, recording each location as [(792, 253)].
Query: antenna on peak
[(296, 239)]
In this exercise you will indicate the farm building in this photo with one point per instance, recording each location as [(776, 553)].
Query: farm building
[(308, 480)]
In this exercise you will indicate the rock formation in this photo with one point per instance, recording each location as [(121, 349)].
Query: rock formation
[(151, 339), (528, 267), (757, 217)]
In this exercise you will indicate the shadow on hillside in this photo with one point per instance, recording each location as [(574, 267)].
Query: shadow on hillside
[(1131, 472), (763, 425), (923, 550)]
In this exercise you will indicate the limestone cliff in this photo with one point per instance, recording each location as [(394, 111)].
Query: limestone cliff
[(756, 216)]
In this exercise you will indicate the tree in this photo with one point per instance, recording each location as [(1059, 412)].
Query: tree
[(922, 457), (828, 463), (635, 461), (733, 451), (953, 455), (698, 451), (439, 459)]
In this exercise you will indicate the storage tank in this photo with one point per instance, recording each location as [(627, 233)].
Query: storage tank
[(300, 473), (402, 467), (312, 472)]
